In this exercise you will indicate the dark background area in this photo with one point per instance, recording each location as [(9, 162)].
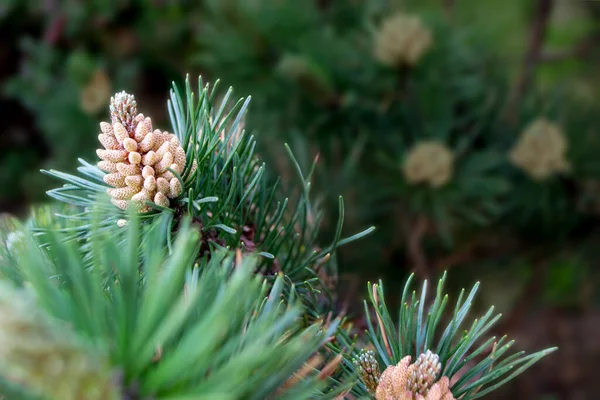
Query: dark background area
[(310, 70)]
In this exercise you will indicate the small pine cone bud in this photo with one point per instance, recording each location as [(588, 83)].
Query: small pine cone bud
[(194, 167), (128, 169), (424, 373), (122, 204), (150, 158), (175, 188), (161, 199), (138, 118), (147, 171), (142, 129), (142, 196), (134, 158), (120, 132), (168, 175), (541, 150), (160, 138), (402, 40), (162, 165), (177, 168), (122, 223), (109, 142), (107, 166), (178, 157), (130, 145), (163, 149), (115, 179), (162, 185), (430, 163), (112, 155), (150, 183), (123, 109), (106, 128), (368, 369), (134, 181), (122, 193), (147, 143)]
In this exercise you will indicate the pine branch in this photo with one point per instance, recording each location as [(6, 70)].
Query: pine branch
[(222, 185), (464, 362), (170, 326), (415, 246), (535, 45)]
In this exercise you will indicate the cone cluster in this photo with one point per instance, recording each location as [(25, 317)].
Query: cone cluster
[(541, 150), (137, 158), (424, 373), (402, 40), (430, 163), (368, 369), (406, 381)]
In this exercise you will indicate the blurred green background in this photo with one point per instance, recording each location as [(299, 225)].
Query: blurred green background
[(493, 68)]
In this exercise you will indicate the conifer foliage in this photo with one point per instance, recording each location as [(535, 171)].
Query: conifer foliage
[(407, 109), (177, 269), (206, 169), (430, 352), (143, 323)]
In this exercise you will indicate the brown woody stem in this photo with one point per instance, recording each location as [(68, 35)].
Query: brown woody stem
[(532, 56)]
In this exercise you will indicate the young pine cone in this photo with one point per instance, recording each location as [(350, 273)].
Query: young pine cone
[(430, 163), (541, 151), (406, 381), (368, 369), (402, 40), (424, 373), (137, 158)]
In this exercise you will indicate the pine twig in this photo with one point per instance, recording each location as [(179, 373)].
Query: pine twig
[(415, 246), (532, 57)]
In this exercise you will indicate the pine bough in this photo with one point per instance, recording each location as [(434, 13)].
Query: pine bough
[(201, 281)]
